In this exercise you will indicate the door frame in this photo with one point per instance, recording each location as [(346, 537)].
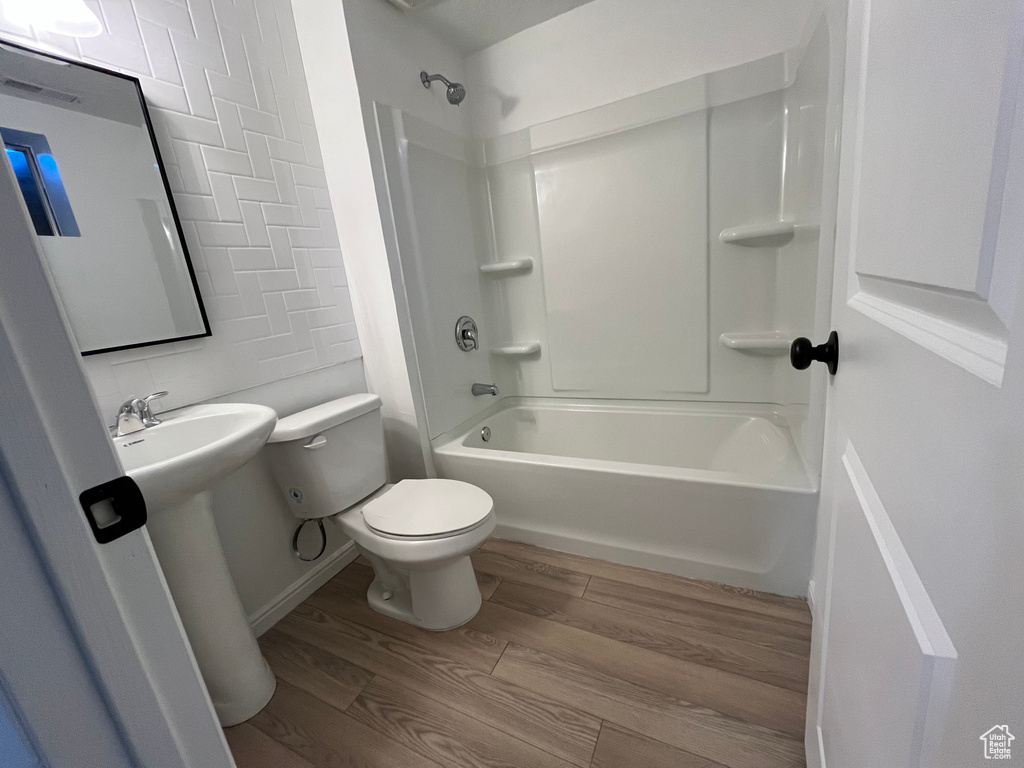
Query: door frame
[(108, 602)]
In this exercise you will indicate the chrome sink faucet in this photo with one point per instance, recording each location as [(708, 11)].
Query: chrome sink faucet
[(485, 389), (135, 415)]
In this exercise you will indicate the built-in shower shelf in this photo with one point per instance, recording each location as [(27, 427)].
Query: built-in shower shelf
[(762, 343), (517, 350), (773, 233), (501, 268)]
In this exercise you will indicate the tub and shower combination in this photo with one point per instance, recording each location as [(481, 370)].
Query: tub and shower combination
[(631, 267), (692, 489)]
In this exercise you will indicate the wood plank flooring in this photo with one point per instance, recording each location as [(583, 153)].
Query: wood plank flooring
[(570, 662)]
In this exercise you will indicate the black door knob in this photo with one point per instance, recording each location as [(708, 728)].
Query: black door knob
[(802, 353)]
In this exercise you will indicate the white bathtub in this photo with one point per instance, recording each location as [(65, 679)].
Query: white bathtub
[(709, 491)]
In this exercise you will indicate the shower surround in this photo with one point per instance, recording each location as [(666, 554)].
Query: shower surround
[(636, 251)]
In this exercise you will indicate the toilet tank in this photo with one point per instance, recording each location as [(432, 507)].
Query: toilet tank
[(328, 457)]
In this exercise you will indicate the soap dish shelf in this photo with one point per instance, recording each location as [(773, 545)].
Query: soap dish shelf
[(774, 233), (517, 350), (768, 343), (502, 268)]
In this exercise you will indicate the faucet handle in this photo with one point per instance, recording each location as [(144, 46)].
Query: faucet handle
[(148, 419), (129, 417)]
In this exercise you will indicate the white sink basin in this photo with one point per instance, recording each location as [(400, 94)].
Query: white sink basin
[(175, 464), (192, 449)]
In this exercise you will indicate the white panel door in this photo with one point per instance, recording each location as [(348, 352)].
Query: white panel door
[(95, 668), (918, 570)]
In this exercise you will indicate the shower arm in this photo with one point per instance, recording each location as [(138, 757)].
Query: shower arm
[(428, 79)]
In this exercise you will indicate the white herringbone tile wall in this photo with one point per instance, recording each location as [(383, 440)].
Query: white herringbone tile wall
[(226, 89)]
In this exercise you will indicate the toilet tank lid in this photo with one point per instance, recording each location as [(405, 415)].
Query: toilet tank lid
[(321, 417)]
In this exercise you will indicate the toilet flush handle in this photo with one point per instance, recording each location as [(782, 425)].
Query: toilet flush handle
[(317, 442)]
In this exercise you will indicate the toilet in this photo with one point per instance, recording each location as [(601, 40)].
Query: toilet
[(417, 534)]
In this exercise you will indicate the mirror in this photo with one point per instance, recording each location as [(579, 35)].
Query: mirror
[(81, 146)]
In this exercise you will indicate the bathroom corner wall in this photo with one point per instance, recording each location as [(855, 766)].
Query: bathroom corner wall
[(225, 85), (378, 73), (378, 304), (424, 198), (227, 93)]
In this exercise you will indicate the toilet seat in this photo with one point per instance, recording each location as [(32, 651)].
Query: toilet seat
[(419, 509)]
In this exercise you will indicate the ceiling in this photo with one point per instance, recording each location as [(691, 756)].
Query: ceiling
[(471, 25), (98, 93)]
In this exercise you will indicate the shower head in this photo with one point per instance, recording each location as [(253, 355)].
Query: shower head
[(456, 91)]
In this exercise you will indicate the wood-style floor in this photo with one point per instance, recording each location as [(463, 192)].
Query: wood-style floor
[(570, 662)]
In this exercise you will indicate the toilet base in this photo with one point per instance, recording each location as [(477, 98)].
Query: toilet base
[(436, 599)]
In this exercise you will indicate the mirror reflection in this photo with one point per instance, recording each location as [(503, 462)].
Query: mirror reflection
[(81, 147)]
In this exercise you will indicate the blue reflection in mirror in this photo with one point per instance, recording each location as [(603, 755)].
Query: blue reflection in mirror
[(30, 190), (59, 203), (40, 182)]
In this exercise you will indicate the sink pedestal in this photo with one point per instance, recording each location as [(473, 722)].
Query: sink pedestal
[(187, 545), (175, 463)]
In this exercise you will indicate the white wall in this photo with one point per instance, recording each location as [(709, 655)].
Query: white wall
[(253, 519), (387, 52), (357, 53), (608, 50), (227, 93)]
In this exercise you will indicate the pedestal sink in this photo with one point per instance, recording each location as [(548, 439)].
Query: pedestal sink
[(174, 464)]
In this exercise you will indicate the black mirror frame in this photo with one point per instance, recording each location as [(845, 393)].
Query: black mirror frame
[(167, 190)]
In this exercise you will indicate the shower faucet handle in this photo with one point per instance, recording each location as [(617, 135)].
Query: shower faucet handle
[(466, 334)]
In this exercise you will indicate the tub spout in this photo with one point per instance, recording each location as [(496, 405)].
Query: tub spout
[(485, 389)]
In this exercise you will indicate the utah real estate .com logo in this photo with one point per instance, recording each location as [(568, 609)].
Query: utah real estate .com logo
[(997, 742)]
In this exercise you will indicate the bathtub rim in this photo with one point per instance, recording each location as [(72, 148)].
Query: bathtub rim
[(451, 443)]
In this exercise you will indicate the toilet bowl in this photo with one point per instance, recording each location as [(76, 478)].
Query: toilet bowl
[(417, 534)]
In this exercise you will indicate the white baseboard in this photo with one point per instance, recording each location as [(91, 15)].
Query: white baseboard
[(284, 603), (810, 596)]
